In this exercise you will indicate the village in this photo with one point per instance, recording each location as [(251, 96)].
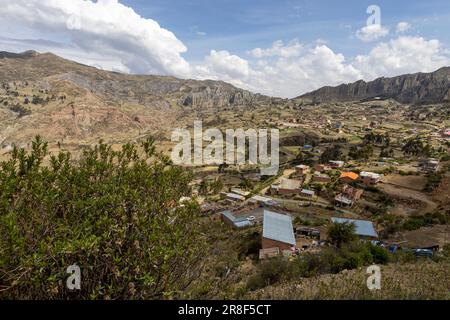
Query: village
[(376, 164)]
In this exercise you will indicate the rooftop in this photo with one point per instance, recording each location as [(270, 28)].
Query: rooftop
[(372, 175), (290, 184), (363, 227), (350, 175), (278, 227)]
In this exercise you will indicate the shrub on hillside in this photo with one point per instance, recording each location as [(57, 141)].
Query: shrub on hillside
[(113, 213)]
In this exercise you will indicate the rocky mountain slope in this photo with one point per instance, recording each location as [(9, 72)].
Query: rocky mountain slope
[(71, 103), (409, 89)]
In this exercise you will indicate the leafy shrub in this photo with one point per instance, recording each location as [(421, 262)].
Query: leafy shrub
[(113, 213)]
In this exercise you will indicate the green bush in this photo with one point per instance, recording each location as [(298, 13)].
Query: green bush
[(113, 213)]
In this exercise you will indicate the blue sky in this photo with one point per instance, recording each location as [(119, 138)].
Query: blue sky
[(279, 48), (240, 25)]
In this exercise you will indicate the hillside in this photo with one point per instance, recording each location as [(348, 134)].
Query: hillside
[(71, 103), (409, 89), (420, 280)]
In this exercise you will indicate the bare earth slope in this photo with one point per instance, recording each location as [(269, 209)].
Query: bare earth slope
[(71, 103)]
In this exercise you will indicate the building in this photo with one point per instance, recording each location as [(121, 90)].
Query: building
[(307, 193), (370, 178), (336, 164), (237, 222), (352, 193), (320, 177), (240, 192), (278, 231), (286, 186), (429, 165), (262, 201), (302, 169), (342, 201), (348, 177), (321, 167), (363, 228), (233, 197)]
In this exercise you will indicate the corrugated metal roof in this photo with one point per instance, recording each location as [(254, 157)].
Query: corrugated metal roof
[(363, 227), (278, 227)]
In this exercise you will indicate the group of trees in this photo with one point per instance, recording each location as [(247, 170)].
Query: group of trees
[(365, 151), (207, 187), (416, 147), (115, 214), (332, 153)]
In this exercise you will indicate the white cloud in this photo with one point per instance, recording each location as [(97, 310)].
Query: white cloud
[(372, 32), (402, 27), (222, 63), (106, 27), (112, 36), (286, 76), (403, 55), (278, 48)]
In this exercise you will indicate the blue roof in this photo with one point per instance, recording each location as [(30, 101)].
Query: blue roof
[(238, 222), (278, 227), (363, 227)]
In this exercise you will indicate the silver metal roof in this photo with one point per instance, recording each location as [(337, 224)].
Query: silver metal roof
[(278, 227), (363, 227)]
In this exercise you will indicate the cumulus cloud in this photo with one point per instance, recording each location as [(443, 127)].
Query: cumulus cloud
[(113, 36), (285, 76), (402, 27), (372, 32), (278, 48), (403, 55), (116, 31)]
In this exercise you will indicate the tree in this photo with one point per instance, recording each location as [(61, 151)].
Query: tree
[(416, 147), (331, 153), (115, 214), (339, 233)]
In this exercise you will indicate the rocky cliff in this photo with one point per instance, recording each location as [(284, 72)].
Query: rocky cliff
[(418, 88)]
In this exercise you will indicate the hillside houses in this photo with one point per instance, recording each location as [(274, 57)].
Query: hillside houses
[(286, 187), (370, 178)]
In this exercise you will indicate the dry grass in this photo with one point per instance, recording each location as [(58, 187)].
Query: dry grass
[(420, 280)]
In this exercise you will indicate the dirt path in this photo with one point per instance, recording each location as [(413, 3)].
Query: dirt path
[(405, 192)]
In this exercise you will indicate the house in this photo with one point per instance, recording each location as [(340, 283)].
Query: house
[(429, 165), (342, 201), (336, 164), (307, 193), (321, 167), (348, 177), (308, 232), (370, 178), (302, 169), (232, 197), (363, 228), (278, 231), (262, 201), (286, 186), (352, 193), (320, 177), (240, 192), (237, 222)]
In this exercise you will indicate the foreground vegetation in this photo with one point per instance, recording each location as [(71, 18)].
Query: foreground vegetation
[(115, 214)]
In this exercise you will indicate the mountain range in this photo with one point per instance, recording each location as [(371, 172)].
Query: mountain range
[(417, 88), (75, 104)]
